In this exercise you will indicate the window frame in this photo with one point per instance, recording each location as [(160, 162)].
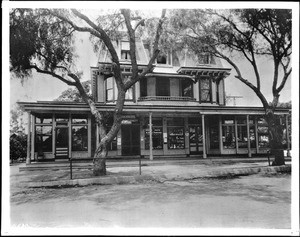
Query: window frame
[(114, 90), (210, 90), (76, 125), (155, 125), (164, 86)]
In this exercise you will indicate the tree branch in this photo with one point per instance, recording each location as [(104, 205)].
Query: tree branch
[(53, 74), (131, 34), (129, 83), (284, 79)]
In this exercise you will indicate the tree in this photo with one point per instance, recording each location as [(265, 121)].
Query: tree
[(18, 138), (247, 33), (73, 95), (42, 39), (16, 120)]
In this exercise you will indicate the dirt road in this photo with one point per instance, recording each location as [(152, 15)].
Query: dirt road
[(254, 201)]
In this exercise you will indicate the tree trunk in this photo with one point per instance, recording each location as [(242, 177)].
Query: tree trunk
[(99, 168), (275, 137)]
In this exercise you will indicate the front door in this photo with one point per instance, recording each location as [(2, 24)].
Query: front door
[(196, 139), (130, 136), (62, 143)]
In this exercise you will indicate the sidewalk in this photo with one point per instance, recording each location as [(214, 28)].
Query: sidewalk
[(128, 172)]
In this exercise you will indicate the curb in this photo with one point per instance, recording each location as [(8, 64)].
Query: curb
[(227, 172)]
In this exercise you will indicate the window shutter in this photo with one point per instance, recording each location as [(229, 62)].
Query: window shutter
[(94, 83)]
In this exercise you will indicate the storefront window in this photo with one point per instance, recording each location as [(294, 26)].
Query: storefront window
[(228, 132), (79, 138), (175, 133), (213, 125), (242, 131), (262, 132), (43, 139), (242, 136), (79, 132), (252, 132), (157, 135)]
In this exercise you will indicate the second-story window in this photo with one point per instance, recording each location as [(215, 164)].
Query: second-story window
[(143, 87), (109, 89), (205, 90), (186, 88), (162, 86)]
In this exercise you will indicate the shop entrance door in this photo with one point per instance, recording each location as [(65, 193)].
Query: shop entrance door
[(62, 143), (196, 140), (130, 137)]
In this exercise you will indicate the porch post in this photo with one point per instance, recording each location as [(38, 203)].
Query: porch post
[(248, 136), (28, 139), (32, 136), (256, 135), (150, 137), (97, 134), (236, 135), (287, 136), (203, 135)]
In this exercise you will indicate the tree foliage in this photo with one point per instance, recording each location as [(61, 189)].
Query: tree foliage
[(73, 95), (249, 33), (18, 146), (39, 41), (16, 120)]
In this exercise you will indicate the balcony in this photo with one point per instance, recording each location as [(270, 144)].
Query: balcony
[(166, 98)]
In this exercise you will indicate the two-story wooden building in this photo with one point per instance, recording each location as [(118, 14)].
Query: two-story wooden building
[(178, 109)]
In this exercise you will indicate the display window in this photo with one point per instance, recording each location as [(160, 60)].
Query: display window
[(228, 132), (175, 128), (43, 139), (262, 132), (157, 134)]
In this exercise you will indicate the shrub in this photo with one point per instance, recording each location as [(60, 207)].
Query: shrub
[(18, 146)]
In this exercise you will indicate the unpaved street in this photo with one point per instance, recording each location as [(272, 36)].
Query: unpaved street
[(255, 201)]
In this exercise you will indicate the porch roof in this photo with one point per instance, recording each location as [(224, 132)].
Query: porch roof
[(204, 71), (69, 107)]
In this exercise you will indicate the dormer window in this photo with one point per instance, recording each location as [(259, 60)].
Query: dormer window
[(204, 58), (125, 50), (161, 59), (125, 54)]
